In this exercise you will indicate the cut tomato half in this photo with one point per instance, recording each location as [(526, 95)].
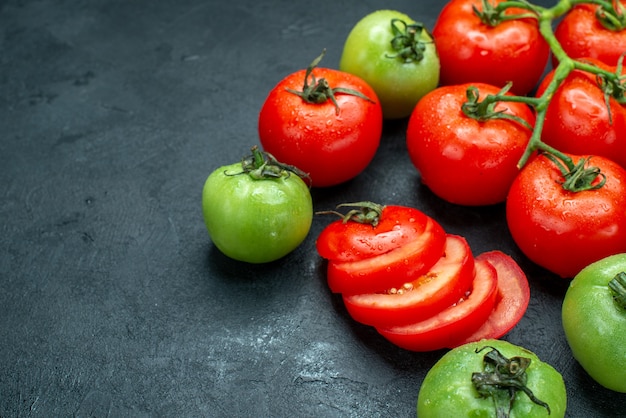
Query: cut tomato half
[(454, 322), (512, 298), (391, 269), (445, 283)]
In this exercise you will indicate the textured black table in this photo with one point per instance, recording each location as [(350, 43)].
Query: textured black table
[(114, 302)]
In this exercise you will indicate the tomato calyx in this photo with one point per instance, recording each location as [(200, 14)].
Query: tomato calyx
[(577, 177), (406, 41), (501, 379), (618, 288), (262, 165), (484, 110), (365, 212), (612, 16), (319, 91)]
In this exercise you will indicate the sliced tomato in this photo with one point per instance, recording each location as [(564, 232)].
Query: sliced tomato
[(390, 269), (454, 322), (512, 298), (445, 283), (352, 241)]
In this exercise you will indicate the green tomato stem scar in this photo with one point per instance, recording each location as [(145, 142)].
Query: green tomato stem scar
[(501, 380), (319, 91), (618, 288)]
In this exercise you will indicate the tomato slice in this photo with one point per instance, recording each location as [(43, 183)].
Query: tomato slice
[(352, 241), (512, 298), (391, 269), (445, 283), (454, 322)]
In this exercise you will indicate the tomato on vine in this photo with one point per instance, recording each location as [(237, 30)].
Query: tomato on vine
[(326, 122), (396, 56), (567, 212), (586, 114), (594, 31), (488, 41), (465, 145)]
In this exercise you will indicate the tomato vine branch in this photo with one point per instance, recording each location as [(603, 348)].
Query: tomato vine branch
[(577, 176)]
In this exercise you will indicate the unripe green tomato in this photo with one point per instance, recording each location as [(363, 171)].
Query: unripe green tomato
[(256, 220), (595, 324), (399, 83), (447, 390)]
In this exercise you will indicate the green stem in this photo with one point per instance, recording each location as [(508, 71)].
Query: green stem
[(501, 379), (365, 212), (618, 288), (319, 91), (261, 165), (577, 176)]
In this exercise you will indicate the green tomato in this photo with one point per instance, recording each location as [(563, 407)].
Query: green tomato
[(396, 56), (448, 389), (595, 322), (257, 210)]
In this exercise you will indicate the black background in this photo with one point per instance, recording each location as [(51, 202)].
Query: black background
[(113, 300)]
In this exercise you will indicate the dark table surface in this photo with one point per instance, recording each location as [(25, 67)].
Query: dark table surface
[(113, 300)]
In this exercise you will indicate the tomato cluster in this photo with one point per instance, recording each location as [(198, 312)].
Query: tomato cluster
[(483, 128), (420, 287)]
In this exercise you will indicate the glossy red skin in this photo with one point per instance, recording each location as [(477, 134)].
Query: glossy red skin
[(582, 36), (470, 51), (511, 301), (445, 283), (460, 159), (564, 231), (352, 241), (451, 324), (577, 119), (391, 269), (332, 148)]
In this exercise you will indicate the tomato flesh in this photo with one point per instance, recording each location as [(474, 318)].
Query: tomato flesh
[(448, 326), (512, 298), (390, 269), (445, 283)]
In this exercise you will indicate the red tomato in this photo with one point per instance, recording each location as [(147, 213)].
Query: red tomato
[(472, 51), (577, 120), (444, 284), (449, 325), (564, 231), (366, 258), (511, 301), (461, 159), (582, 35), (332, 141)]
